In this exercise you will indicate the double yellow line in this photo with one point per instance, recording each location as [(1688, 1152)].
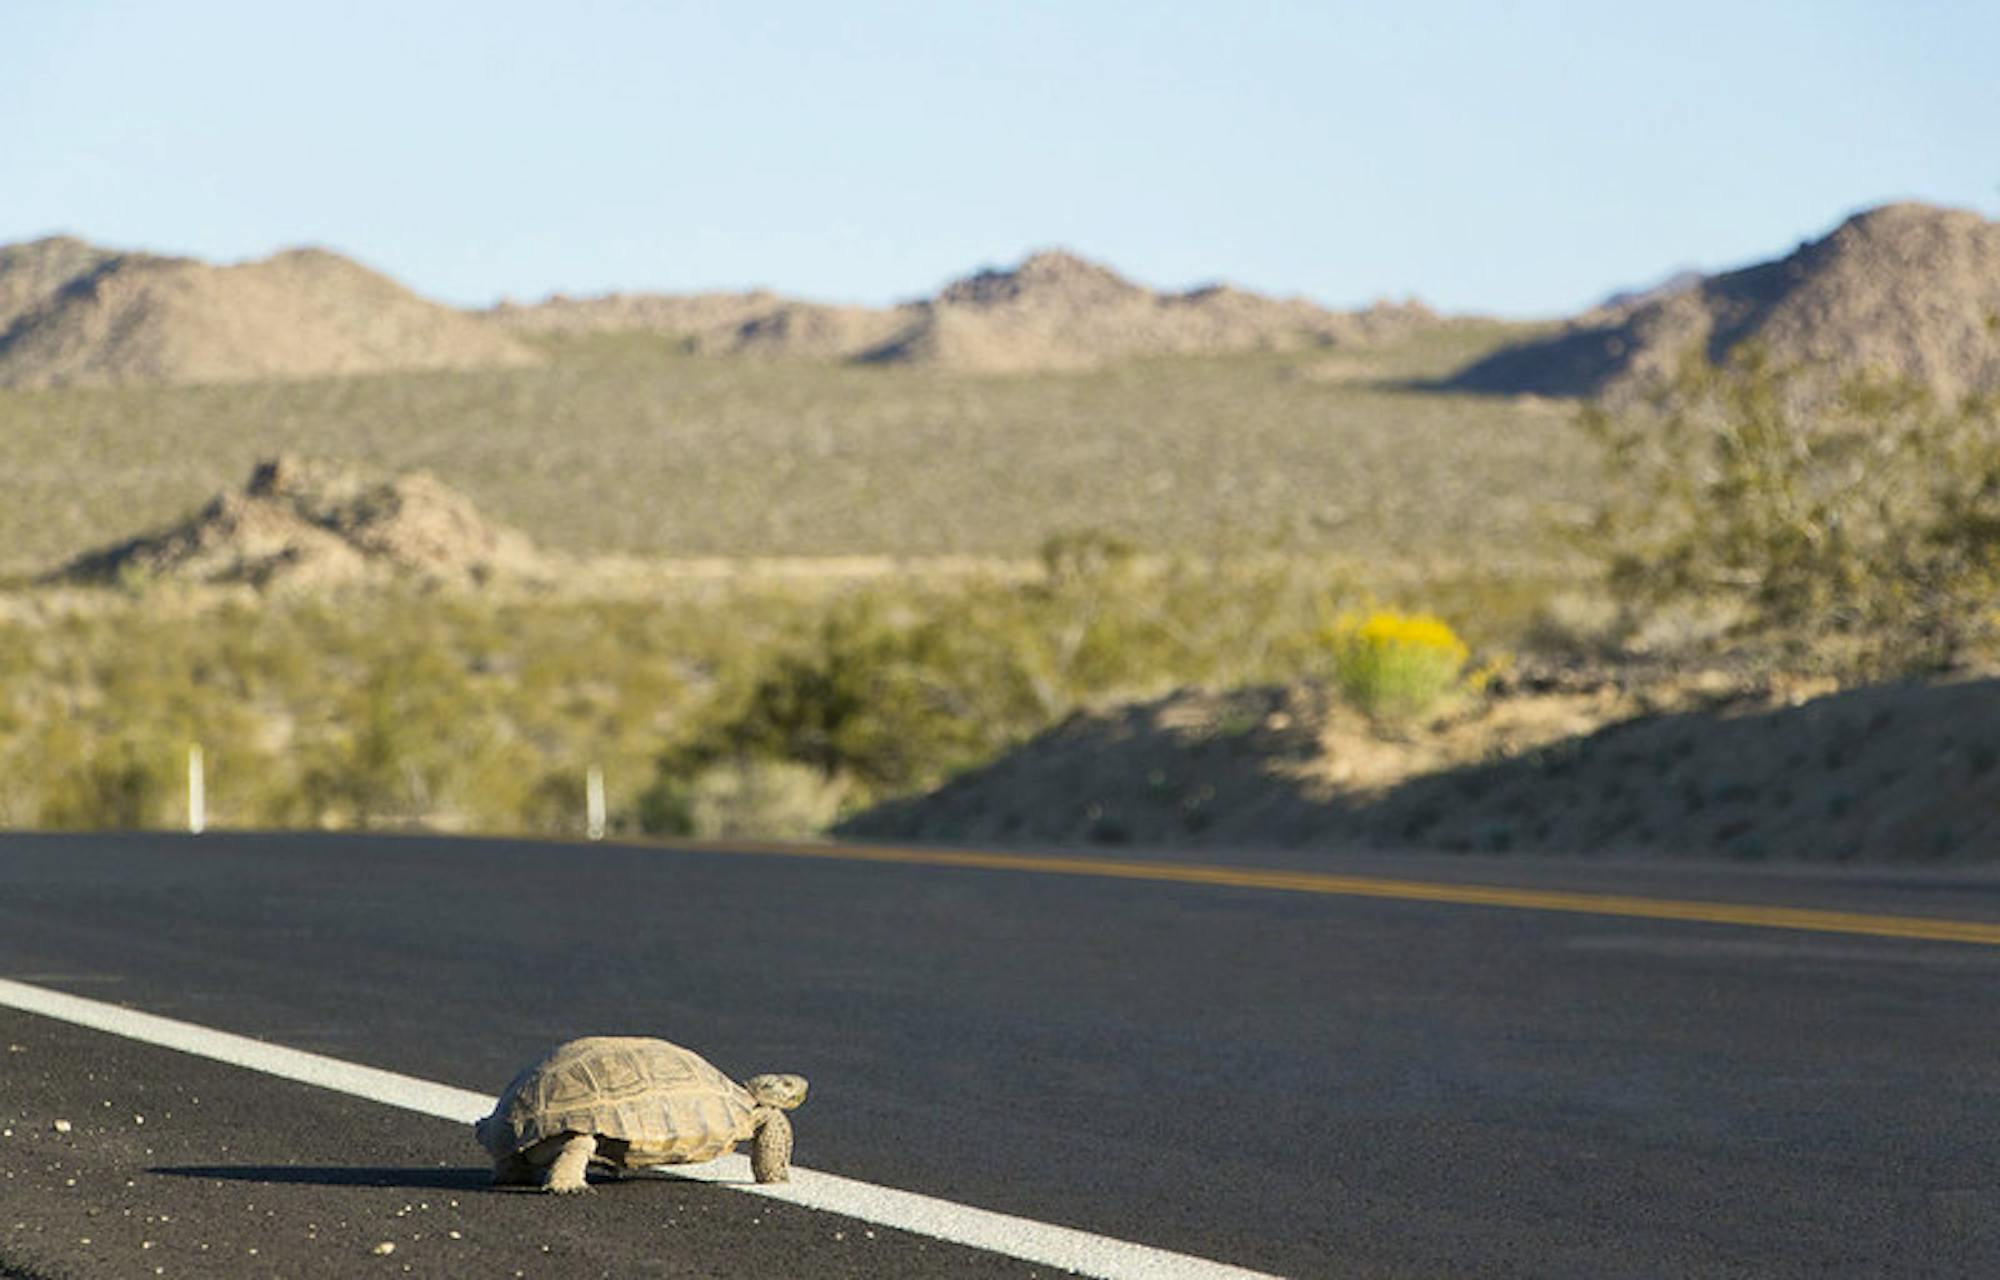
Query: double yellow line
[(1925, 928)]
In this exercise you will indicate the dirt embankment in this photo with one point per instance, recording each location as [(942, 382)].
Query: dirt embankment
[(1698, 768)]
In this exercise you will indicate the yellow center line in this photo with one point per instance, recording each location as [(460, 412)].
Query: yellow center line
[(1927, 928)]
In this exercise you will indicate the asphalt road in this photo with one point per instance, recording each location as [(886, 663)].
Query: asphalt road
[(1309, 1084)]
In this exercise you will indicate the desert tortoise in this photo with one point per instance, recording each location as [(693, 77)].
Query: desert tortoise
[(631, 1102)]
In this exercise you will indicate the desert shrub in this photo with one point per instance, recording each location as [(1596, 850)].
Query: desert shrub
[(1394, 666), (553, 804), (1868, 521), (368, 708), (404, 731), (770, 799), (1080, 555), (897, 686), (883, 705), (482, 711), (112, 786)]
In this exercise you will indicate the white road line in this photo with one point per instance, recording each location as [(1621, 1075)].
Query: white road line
[(406, 1092), (1023, 1238)]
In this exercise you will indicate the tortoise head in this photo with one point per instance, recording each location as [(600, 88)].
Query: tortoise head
[(784, 1092)]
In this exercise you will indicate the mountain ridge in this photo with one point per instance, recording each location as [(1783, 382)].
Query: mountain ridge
[(1905, 290), (75, 314), (1052, 310)]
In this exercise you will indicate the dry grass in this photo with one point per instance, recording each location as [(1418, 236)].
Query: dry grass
[(625, 444)]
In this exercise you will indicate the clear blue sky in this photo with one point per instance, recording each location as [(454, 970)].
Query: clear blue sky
[(1521, 158)]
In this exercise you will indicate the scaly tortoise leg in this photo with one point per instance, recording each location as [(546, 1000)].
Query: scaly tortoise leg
[(514, 1171), (771, 1149), (566, 1173)]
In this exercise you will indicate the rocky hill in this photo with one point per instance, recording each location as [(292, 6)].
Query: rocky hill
[(757, 322), (72, 313), (1903, 290), (309, 523), (1053, 310)]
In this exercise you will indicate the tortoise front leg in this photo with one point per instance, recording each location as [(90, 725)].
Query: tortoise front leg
[(566, 1172), (771, 1149)]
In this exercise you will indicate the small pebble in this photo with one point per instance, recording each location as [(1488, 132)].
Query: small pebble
[(62, 1126), (384, 1249)]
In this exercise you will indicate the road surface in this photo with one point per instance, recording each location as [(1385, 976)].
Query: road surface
[(1384, 1067)]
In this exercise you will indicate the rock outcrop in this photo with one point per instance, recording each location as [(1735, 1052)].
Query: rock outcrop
[(313, 523)]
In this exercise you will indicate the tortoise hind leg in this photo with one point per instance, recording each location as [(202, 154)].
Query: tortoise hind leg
[(566, 1172), (513, 1170)]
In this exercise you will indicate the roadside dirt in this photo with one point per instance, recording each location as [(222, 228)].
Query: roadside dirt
[(1697, 766)]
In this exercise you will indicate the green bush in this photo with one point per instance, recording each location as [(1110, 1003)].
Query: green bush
[(1866, 523), (882, 705), (114, 787)]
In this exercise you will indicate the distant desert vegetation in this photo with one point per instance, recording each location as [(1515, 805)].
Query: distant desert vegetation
[(623, 443), (1084, 546)]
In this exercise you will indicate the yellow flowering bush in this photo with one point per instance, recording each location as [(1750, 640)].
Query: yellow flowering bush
[(1394, 665)]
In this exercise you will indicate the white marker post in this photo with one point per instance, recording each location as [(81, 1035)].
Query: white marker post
[(593, 803), (197, 792)]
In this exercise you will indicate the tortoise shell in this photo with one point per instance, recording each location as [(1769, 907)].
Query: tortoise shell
[(657, 1102)]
